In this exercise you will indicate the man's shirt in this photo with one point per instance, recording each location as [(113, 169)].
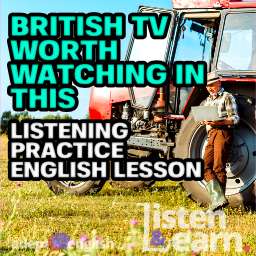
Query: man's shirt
[(226, 104)]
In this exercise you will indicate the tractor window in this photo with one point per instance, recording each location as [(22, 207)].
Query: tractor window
[(238, 43), (195, 41), (148, 49), (196, 37)]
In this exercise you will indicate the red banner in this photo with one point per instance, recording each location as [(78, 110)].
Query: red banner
[(191, 3), (204, 3)]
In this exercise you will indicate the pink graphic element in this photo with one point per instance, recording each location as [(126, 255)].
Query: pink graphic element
[(84, 238), (208, 3), (71, 244), (99, 238), (134, 222), (131, 246), (247, 248), (195, 253), (191, 3)]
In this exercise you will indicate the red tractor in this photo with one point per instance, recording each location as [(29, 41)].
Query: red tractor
[(221, 33)]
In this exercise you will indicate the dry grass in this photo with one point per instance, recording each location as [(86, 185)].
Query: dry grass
[(40, 213)]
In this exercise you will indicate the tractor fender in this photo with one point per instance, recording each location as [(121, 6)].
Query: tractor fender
[(102, 99)]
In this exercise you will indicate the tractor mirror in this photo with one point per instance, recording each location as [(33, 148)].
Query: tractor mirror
[(197, 28)]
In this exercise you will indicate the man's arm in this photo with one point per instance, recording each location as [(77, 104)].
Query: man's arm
[(231, 108), (219, 123)]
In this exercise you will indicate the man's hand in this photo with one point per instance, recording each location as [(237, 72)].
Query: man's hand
[(219, 123)]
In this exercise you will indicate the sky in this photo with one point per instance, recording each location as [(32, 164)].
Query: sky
[(46, 6)]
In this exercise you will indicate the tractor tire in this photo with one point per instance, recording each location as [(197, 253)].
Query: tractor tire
[(76, 188), (241, 174), (132, 184)]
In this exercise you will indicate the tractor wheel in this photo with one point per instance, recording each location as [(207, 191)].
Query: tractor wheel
[(76, 187), (132, 184), (241, 175)]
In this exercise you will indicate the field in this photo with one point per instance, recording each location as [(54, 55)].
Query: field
[(30, 212)]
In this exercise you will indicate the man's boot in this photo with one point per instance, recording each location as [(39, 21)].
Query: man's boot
[(218, 199)]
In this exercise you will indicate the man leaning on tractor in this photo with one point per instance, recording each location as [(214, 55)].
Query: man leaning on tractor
[(219, 137)]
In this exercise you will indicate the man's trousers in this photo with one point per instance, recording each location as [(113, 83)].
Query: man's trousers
[(216, 154)]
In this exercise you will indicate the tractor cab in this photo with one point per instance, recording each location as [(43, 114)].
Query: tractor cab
[(224, 38)]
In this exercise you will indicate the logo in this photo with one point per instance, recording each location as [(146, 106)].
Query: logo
[(58, 241), (183, 230)]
